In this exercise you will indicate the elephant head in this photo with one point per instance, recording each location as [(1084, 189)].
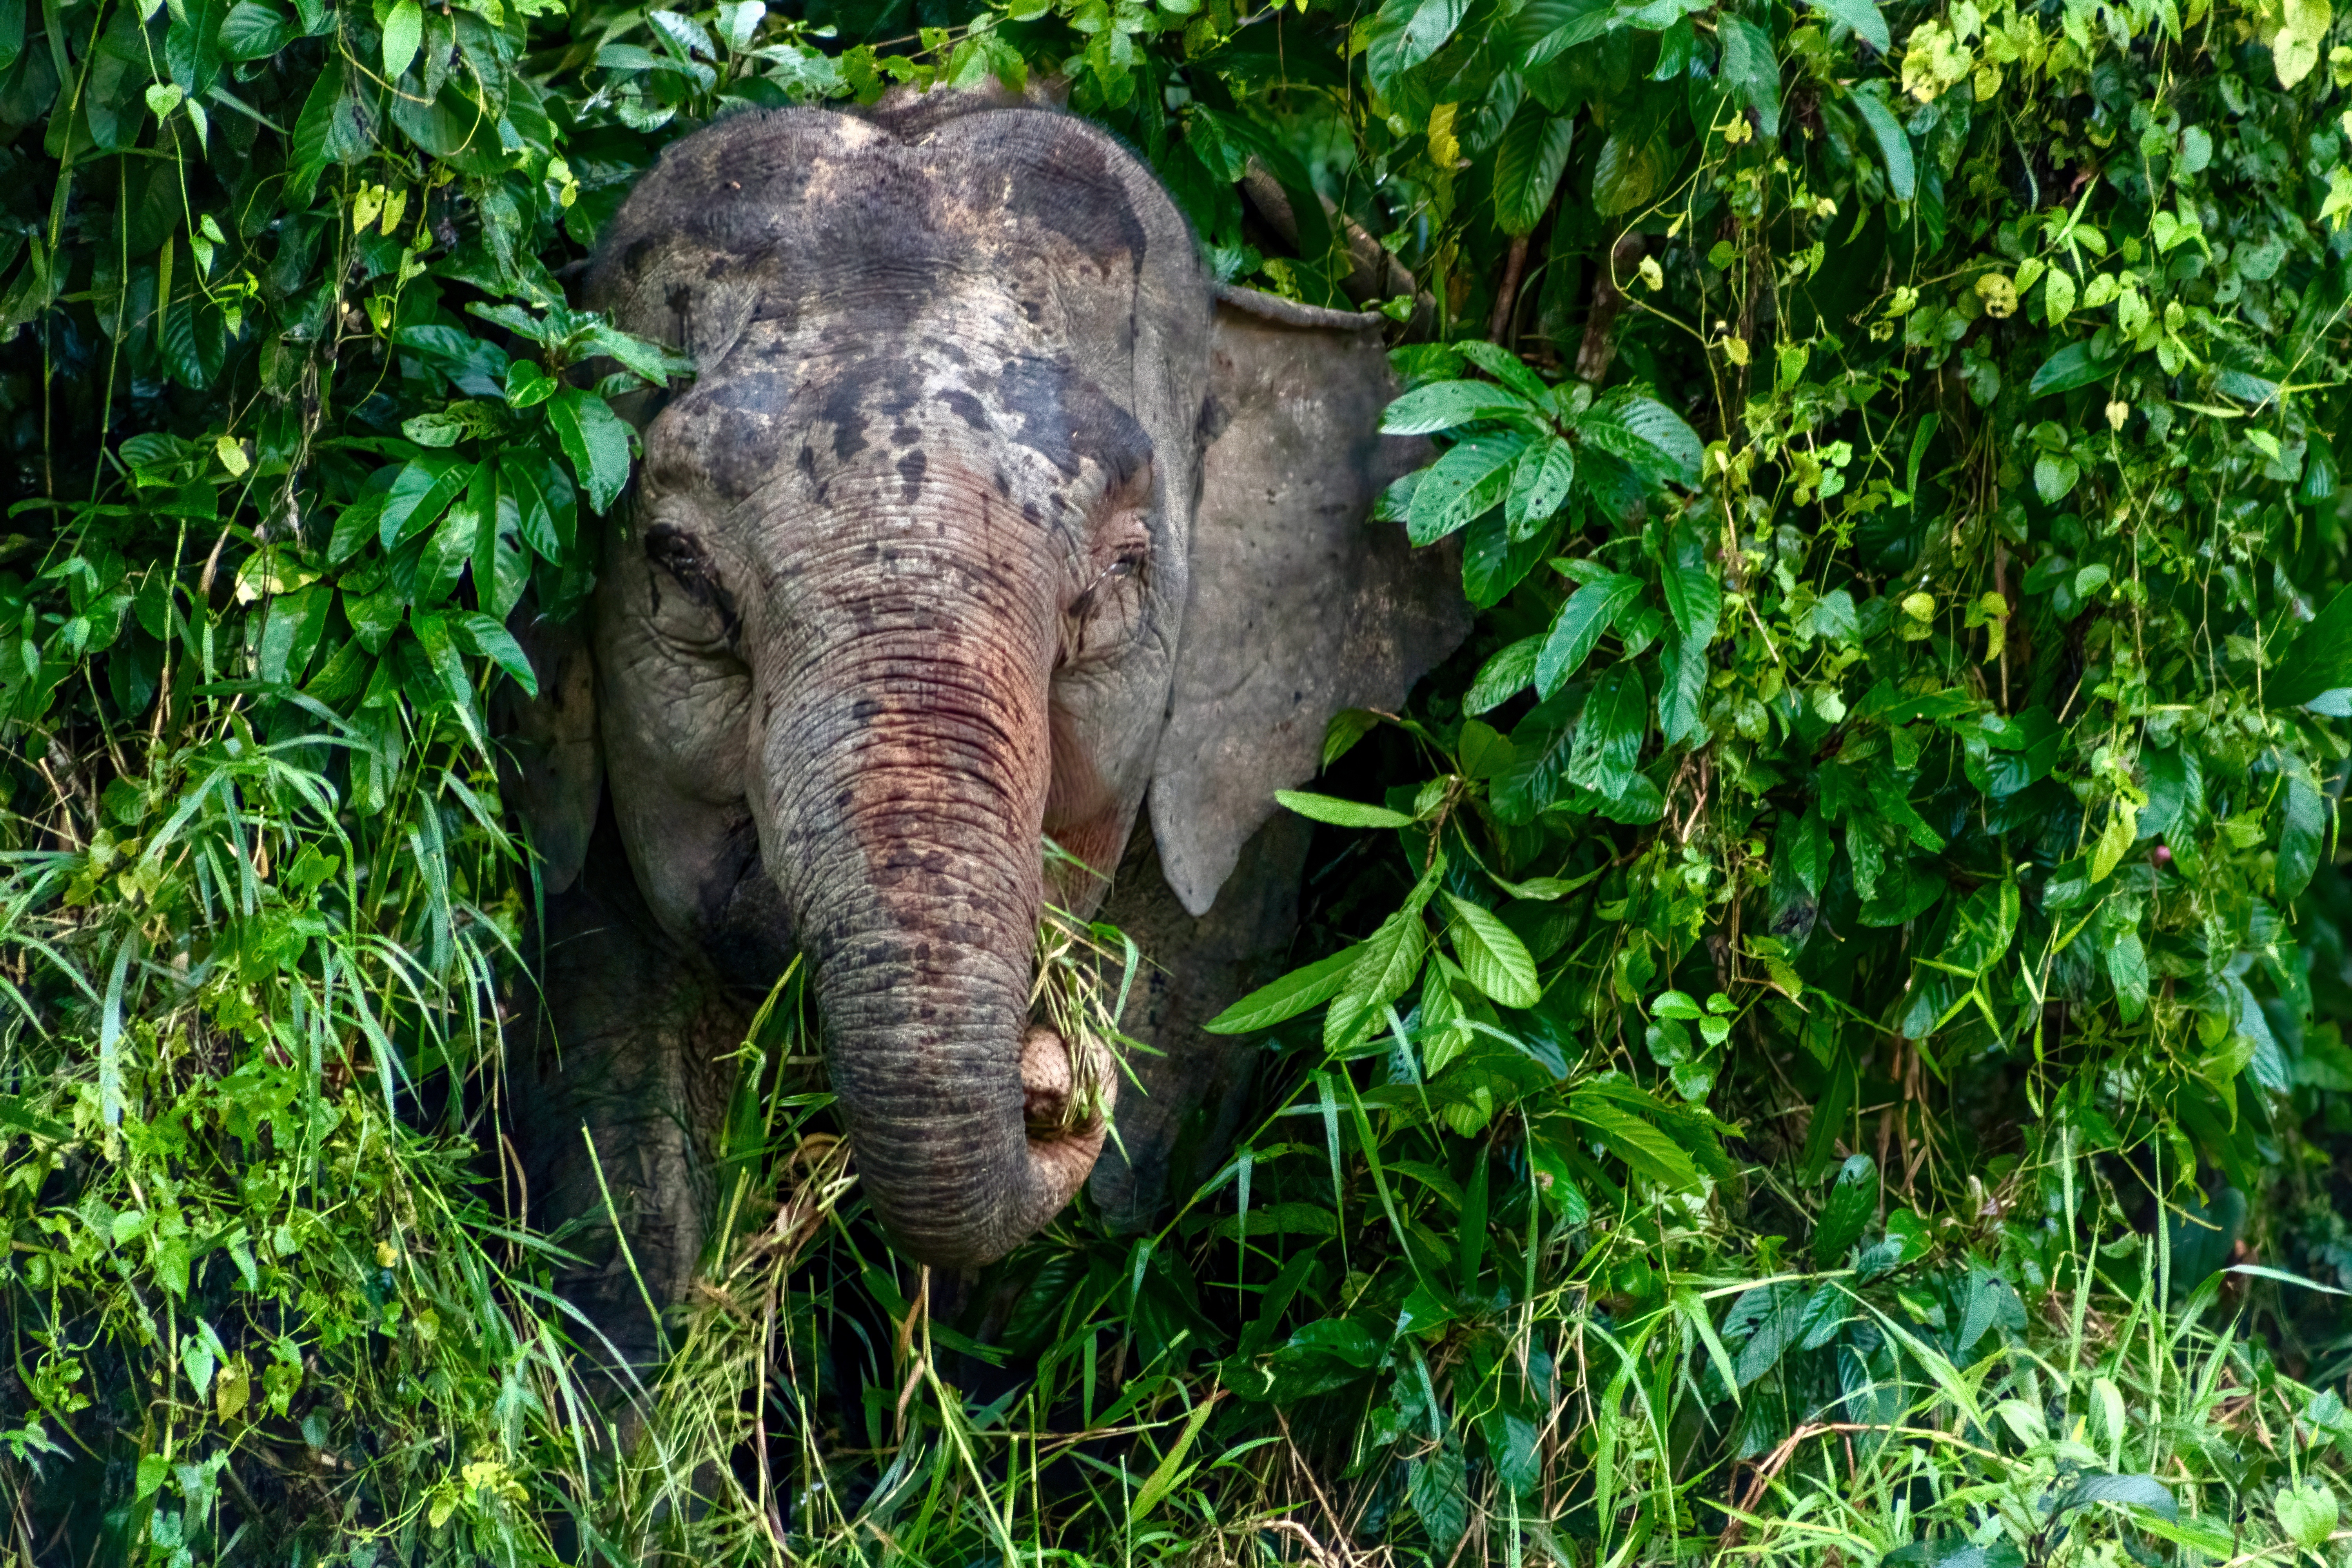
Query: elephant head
[(983, 517)]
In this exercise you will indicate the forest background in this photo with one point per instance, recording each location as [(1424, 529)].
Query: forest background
[(1819, 1033)]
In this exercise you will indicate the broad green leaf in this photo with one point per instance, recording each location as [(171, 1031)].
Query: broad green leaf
[(2054, 474), (1694, 599), (1646, 435), (2307, 1513), (1504, 676), (2071, 367), (404, 30), (484, 637), (1506, 367), (1631, 167), (2319, 660), (1750, 68), (1544, 29), (2127, 968), (1528, 165), (417, 497), (1341, 813), (315, 131), (2141, 1491), (1862, 15), (1609, 736), (1852, 1200), (1894, 144), (1423, 27), (2115, 840), (1634, 1140), (252, 31), (1578, 628), (1493, 563), (596, 441), (1287, 997), (1805, 840), (1467, 480), (1443, 404), (2058, 295), (1491, 955), (1680, 719), (1385, 965), (1539, 485), (2302, 833)]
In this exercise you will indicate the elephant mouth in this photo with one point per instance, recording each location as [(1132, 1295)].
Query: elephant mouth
[(1070, 1066)]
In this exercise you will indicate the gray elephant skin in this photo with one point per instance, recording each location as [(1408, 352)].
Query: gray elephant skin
[(987, 515)]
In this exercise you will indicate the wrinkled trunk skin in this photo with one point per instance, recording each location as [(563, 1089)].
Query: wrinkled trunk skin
[(900, 776)]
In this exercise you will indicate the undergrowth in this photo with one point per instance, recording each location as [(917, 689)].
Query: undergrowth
[(1817, 1035)]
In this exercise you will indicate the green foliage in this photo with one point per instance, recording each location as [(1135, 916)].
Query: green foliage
[(1800, 1017)]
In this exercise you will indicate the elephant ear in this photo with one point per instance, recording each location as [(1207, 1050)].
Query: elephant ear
[(1300, 607), (549, 767)]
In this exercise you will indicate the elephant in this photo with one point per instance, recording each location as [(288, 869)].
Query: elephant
[(987, 516)]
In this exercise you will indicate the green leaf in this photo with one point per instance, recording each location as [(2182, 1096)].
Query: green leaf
[(1539, 486), (1609, 736), (2115, 840), (1171, 1470), (404, 30), (2301, 833), (1287, 997), (1694, 600), (1543, 29), (2307, 1512), (2319, 660), (1894, 143), (2054, 474), (1578, 628), (2140, 1491), (1647, 436), (1443, 405), (333, 129), (2071, 367), (1341, 813), (1852, 1200), (1425, 26), (1631, 167), (1679, 716), (1467, 480), (483, 636), (1491, 955), (1634, 1140), (596, 441), (253, 31), (1749, 68), (2127, 968), (1860, 16), (1504, 676), (1385, 965), (1528, 165)]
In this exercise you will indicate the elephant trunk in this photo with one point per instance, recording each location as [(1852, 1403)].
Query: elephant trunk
[(905, 775)]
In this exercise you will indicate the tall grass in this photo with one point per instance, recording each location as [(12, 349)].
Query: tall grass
[(269, 1301)]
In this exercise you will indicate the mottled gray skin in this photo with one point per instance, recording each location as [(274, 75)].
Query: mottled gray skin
[(982, 518)]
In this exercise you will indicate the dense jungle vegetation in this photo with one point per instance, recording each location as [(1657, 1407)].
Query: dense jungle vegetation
[(1819, 1034)]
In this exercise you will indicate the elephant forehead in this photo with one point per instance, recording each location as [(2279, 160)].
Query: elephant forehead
[(808, 214), (1047, 436)]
